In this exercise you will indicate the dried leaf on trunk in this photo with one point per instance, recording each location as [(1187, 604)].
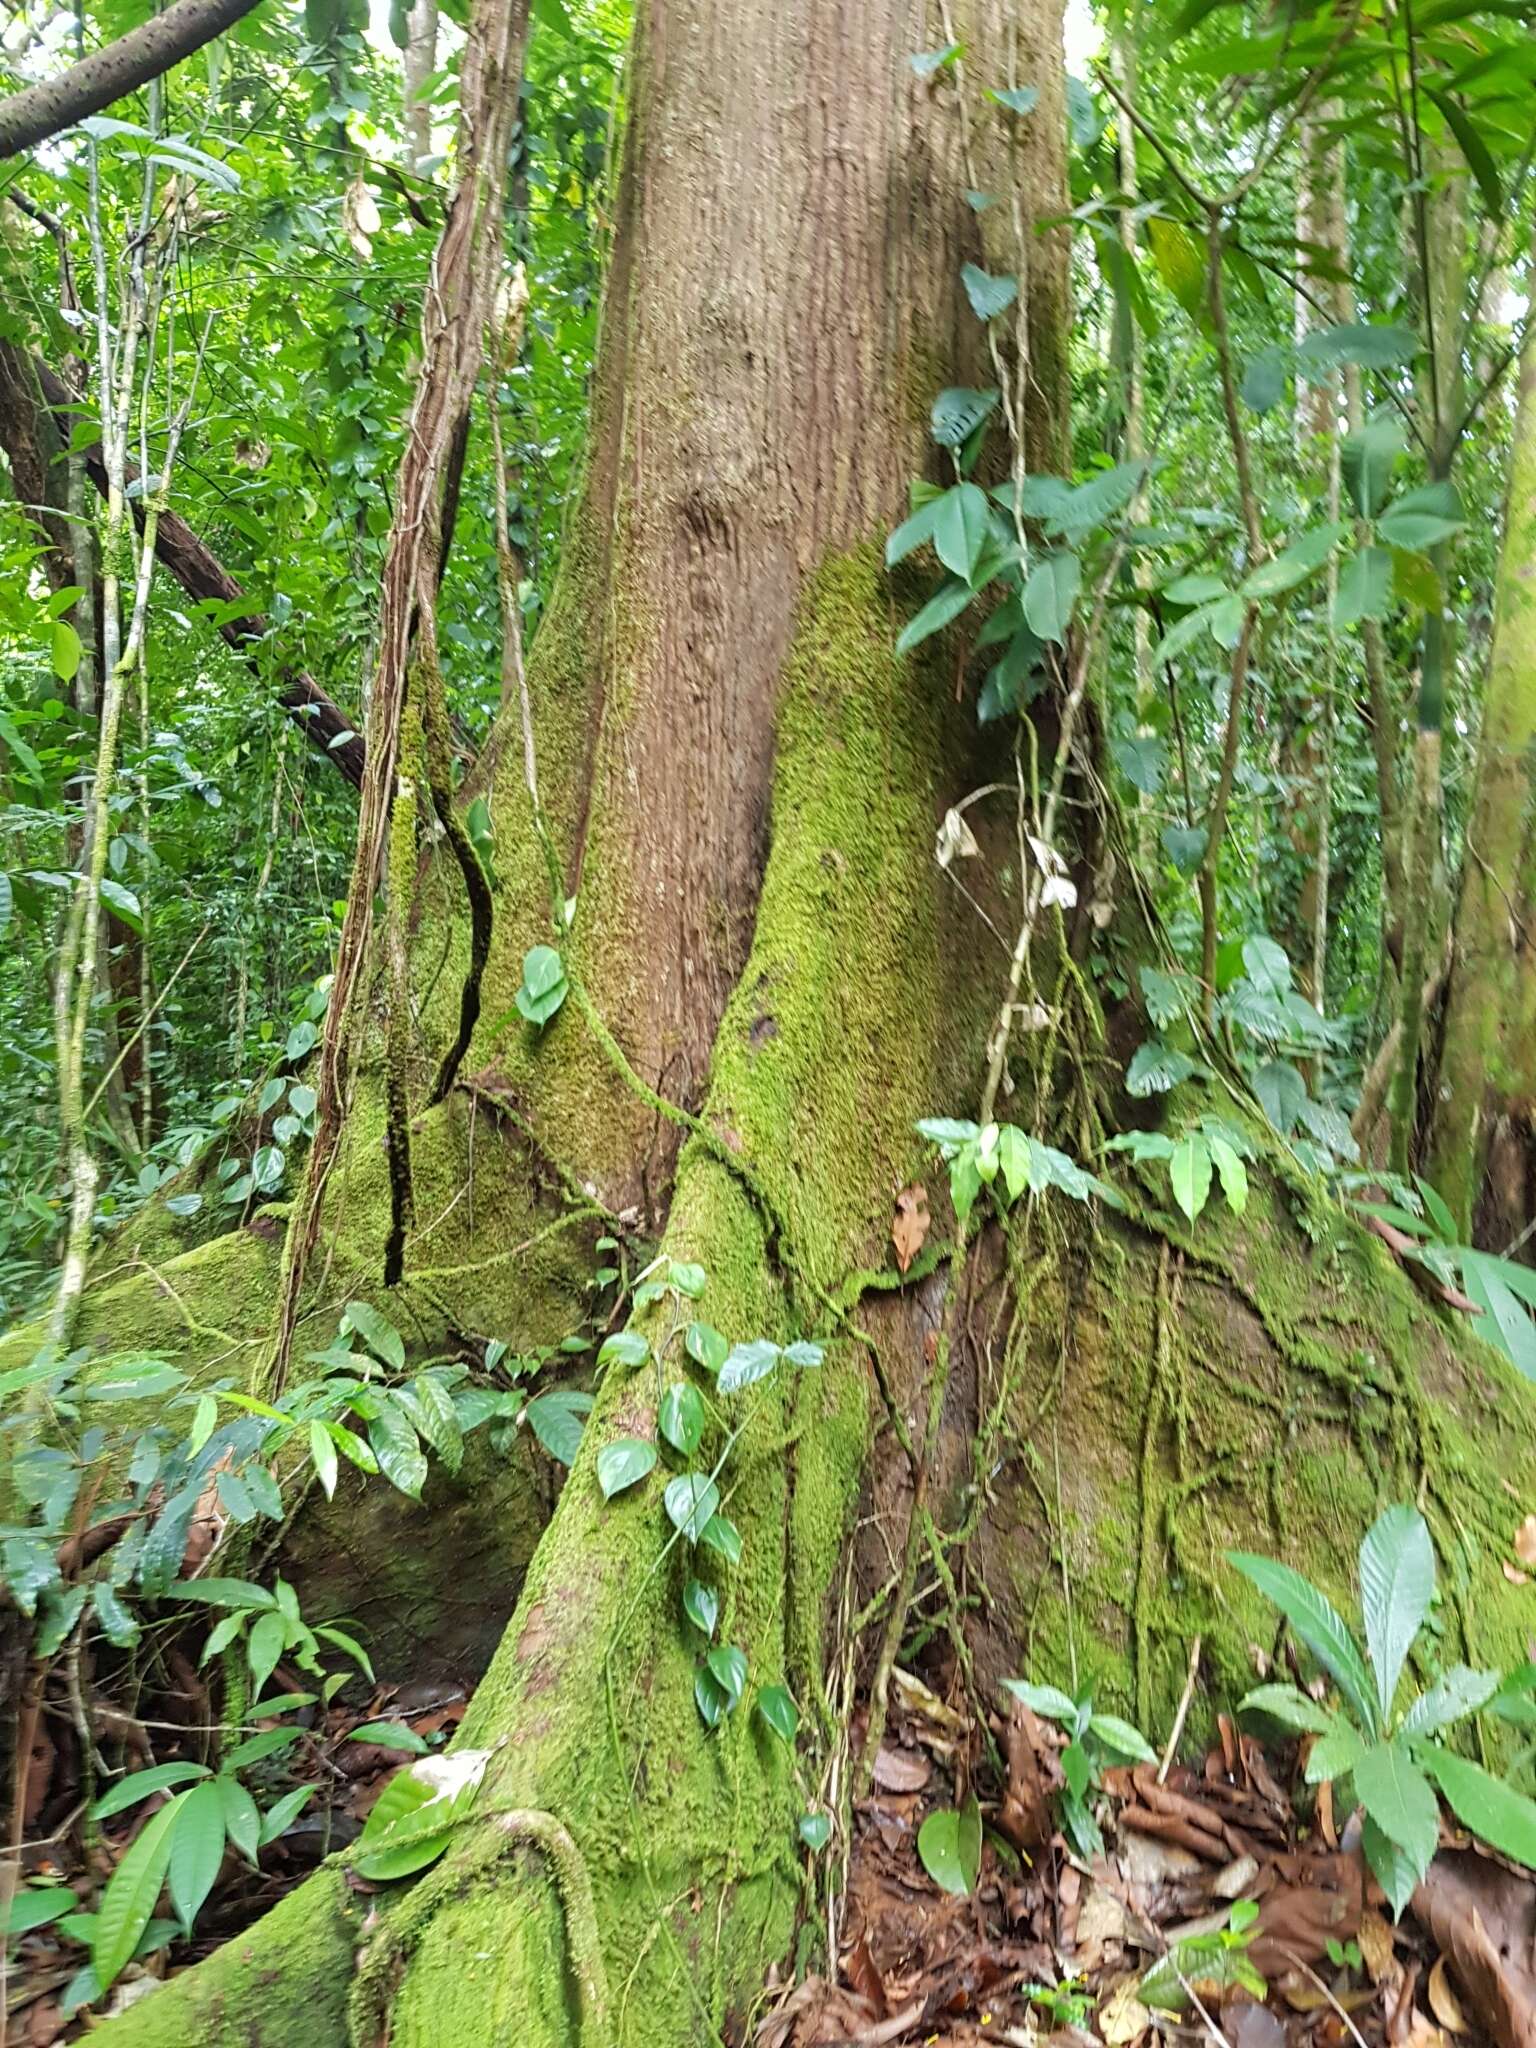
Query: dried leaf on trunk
[(910, 1229), (901, 1770), (1027, 1815), (1483, 1918)]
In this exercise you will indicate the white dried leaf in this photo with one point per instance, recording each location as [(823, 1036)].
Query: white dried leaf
[(955, 841), (1049, 860), (1034, 1017), (1059, 889), (450, 1775)]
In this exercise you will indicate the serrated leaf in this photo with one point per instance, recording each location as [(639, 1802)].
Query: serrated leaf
[(1399, 1799), (1494, 1811), (746, 1364), (1335, 1754), (1154, 1069), (1122, 1738), (958, 412), (1397, 1587), (1317, 1623), (623, 1464), (1454, 1694)]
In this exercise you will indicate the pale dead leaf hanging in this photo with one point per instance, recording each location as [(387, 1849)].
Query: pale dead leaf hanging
[(910, 1228), (1443, 2002), (1525, 1540)]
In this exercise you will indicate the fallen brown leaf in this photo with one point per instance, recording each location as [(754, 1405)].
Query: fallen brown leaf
[(1515, 1576), (1443, 2002), (1122, 2018), (910, 1229), (1525, 1540), (901, 1770), (1377, 1941), (1484, 1918)]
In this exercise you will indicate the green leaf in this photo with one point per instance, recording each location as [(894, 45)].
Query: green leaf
[(727, 1665), (1154, 1069), (1050, 595), (140, 1784), (391, 1735), (624, 1347), (779, 1711), (1181, 263), (1316, 1622), (223, 1592), (691, 1501), (1397, 1586), (1454, 1694), (1281, 1094), (1189, 1170), (1400, 1800), (1472, 146), (804, 1355), (958, 412), (378, 1333), (1367, 458), (680, 1417), (118, 1624), (723, 1537), (1422, 518), (242, 1822), (197, 1850), (1335, 1754), (1374, 347), (323, 1451), (1506, 1324), (705, 1345), (128, 1902), (1185, 846), (1264, 380), (1293, 565), (265, 1645), (1049, 1701), (282, 1813), (709, 1697), (31, 1909), (437, 1420), (544, 986), (701, 1606), (1393, 1868), (1290, 1706), (401, 1458), (557, 1419), (624, 1464), (815, 1830), (1122, 1738), (1231, 1170), (913, 533), (929, 63), (747, 1364), (64, 651), (1497, 1814), (949, 1844), (961, 525), (948, 602), (1365, 587), (988, 295), (1019, 99), (1193, 590)]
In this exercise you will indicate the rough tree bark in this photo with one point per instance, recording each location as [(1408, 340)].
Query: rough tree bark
[(1487, 1075), (744, 783)]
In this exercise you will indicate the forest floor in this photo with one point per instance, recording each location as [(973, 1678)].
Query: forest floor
[(1228, 1902)]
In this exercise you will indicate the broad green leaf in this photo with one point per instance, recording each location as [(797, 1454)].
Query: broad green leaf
[(1334, 1754), (265, 1645), (958, 412), (223, 1592), (1018, 99), (961, 525), (928, 63), (1281, 1092), (1397, 1587), (727, 1665), (722, 1536), (282, 1813), (624, 1347), (747, 1364), (1506, 1324), (38, 1908), (323, 1451), (705, 1345), (1494, 1811), (1399, 1799), (988, 295), (1049, 1701), (1422, 518), (779, 1711), (701, 1606), (912, 533), (1365, 587), (1293, 565), (1316, 1621), (680, 1417), (949, 1844), (815, 1831), (1193, 590), (378, 1333), (1231, 1171), (1265, 379), (1394, 1869), (1154, 1069), (1367, 458), (1289, 1705), (946, 605), (691, 1501), (623, 1464), (557, 1419), (1189, 1171), (1472, 146), (1373, 347), (1180, 260), (1185, 846), (401, 1458), (1122, 1738), (197, 1850), (128, 1903), (1051, 594)]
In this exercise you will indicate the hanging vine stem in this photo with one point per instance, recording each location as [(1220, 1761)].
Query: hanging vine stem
[(460, 291)]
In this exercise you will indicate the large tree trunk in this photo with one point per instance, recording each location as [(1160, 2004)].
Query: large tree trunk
[(1487, 1080), (743, 782)]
